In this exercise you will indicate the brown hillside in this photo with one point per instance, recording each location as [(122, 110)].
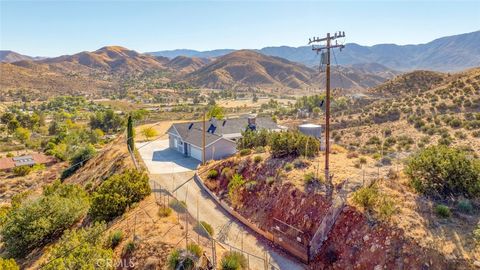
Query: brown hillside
[(39, 81), (413, 82), (110, 59), (248, 68), (186, 64)]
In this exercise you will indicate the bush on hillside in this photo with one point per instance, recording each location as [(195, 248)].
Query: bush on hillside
[(89, 253), (233, 260), (234, 186), (8, 264), (117, 193), (34, 222), (444, 171), (185, 259), (22, 170), (212, 174), (442, 211), (293, 143)]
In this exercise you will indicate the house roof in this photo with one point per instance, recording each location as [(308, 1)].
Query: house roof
[(191, 132), (36, 158)]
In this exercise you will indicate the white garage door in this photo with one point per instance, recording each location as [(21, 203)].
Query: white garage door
[(196, 153)]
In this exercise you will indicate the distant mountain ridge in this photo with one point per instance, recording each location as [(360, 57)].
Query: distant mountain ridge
[(452, 53), (11, 56)]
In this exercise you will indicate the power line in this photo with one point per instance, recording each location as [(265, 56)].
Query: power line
[(325, 50)]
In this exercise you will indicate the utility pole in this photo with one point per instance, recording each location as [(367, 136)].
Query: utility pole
[(325, 50), (203, 138)]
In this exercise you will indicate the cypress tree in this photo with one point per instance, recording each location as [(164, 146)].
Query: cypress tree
[(130, 133)]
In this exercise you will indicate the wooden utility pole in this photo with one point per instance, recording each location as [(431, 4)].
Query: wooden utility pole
[(326, 60), (204, 133)]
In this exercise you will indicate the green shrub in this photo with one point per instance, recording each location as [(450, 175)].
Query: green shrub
[(245, 152), (442, 211), (206, 227), (117, 193), (233, 260), (260, 149), (115, 238), (443, 171), (234, 186), (22, 170), (8, 264), (288, 166), (164, 212), (311, 178), (366, 197), (257, 159), (212, 174), (88, 252), (129, 247), (195, 249), (465, 206), (34, 222), (386, 208)]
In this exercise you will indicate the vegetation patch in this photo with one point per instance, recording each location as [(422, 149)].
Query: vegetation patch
[(117, 193), (34, 222), (441, 171)]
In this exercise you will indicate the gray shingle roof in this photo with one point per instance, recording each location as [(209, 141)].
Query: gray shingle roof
[(193, 134)]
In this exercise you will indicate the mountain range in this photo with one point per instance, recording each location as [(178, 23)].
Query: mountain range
[(452, 53), (103, 71)]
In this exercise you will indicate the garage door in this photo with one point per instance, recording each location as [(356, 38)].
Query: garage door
[(196, 153)]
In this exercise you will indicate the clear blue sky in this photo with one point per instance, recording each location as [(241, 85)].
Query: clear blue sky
[(42, 28)]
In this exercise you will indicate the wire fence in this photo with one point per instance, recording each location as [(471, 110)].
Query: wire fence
[(200, 235)]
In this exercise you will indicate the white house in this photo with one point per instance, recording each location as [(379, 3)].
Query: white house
[(220, 138)]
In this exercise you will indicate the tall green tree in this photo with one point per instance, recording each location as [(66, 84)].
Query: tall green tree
[(130, 133)]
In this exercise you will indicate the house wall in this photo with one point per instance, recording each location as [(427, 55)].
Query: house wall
[(171, 143), (220, 149)]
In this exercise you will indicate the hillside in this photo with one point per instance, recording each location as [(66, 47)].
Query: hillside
[(409, 83), (10, 57), (451, 53), (248, 68), (114, 59), (33, 80), (186, 64)]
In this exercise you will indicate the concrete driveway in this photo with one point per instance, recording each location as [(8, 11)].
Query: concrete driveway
[(160, 159), (171, 169)]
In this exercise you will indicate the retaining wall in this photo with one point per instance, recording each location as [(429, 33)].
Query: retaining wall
[(300, 254)]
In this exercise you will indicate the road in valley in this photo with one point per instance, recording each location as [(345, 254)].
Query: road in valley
[(171, 169)]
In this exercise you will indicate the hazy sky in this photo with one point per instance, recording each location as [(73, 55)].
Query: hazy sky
[(41, 28)]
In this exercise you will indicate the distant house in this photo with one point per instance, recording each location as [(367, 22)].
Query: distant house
[(220, 138), (7, 164)]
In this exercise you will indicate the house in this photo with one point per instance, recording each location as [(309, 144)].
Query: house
[(220, 138), (8, 163)]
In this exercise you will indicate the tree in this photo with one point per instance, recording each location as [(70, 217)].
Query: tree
[(149, 132), (117, 193), (89, 252), (216, 111), (79, 158), (34, 222), (441, 171), (255, 98), (12, 125), (130, 134), (7, 117), (22, 134)]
